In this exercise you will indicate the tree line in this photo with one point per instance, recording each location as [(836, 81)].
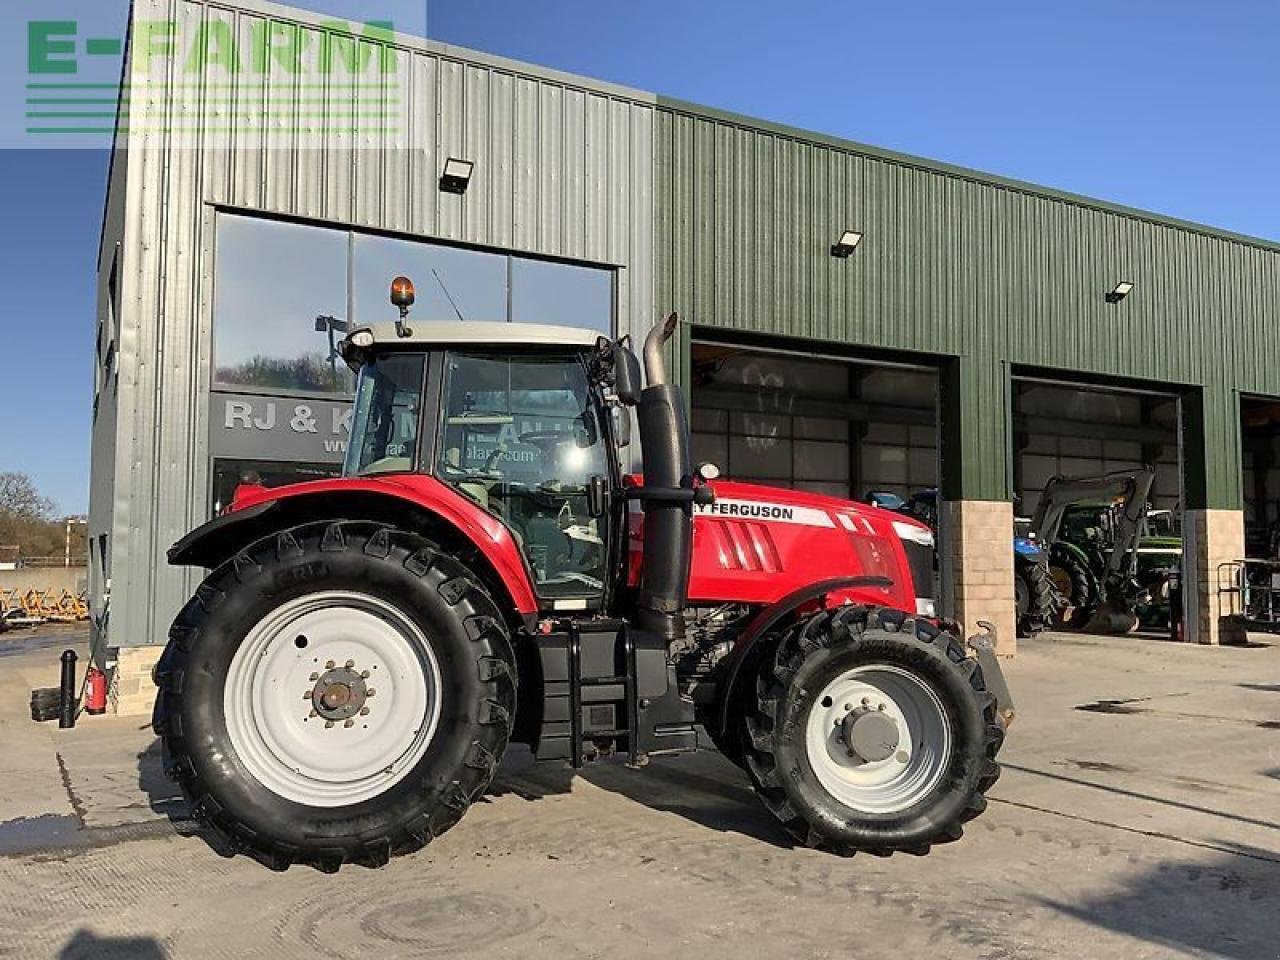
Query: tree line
[(28, 521)]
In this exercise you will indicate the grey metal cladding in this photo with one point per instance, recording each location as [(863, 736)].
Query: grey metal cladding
[(564, 168)]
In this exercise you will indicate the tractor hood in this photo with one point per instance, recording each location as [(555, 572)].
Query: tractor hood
[(755, 544)]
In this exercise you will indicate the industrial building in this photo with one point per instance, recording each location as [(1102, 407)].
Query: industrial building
[(855, 320)]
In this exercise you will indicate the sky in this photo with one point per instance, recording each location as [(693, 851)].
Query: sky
[(1167, 105)]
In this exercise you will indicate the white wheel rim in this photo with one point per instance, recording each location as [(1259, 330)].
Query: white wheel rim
[(330, 758), (916, 764)]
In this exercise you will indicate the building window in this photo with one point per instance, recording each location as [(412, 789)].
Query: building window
[(273, 281), (282, 300), (561, 294), (229, 474), (452, 283)]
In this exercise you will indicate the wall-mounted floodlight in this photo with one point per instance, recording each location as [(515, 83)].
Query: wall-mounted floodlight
[(456, 176), (1119, 292), (847, 243)]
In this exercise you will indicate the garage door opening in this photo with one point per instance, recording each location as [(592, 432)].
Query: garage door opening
[(845, 428), (1097, 483), (1258, 578)]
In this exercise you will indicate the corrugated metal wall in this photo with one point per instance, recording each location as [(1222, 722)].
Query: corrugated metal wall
[(994, 273), (563, 169), (727, 221)]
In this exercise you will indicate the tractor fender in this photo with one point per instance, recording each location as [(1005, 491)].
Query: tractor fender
[(766, 619), (1069, 547), (413, 502)]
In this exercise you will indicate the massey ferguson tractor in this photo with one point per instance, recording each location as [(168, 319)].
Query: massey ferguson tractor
[(345, 681)]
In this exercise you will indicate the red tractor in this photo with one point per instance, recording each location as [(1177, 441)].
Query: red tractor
[(344, 683)]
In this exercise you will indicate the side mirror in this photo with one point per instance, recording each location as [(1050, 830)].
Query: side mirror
[(597, 496), (621, 426), (626, 373), (324, 323)]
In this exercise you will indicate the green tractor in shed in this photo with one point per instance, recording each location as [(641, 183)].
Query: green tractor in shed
[(1113, 561)]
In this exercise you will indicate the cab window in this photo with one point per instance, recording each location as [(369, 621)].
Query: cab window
[(384, 424)]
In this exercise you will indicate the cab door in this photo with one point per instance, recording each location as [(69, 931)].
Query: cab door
[(522, 437)]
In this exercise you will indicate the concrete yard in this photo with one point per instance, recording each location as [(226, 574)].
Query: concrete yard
[(1138, 816)]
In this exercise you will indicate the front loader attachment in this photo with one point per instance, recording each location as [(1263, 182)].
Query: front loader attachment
[(1112, 617)]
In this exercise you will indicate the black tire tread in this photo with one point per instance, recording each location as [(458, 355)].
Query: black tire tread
[(1042, 596), (494, 657)]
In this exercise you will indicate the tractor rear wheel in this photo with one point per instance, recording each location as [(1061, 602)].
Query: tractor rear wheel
[(339, 692), (872, 731)]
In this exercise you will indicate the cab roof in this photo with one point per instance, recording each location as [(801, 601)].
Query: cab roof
[(449, 333)]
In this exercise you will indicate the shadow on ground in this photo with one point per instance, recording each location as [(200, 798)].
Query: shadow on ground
[(1227, 907), (703, 788), (86, 945), (163, 795)]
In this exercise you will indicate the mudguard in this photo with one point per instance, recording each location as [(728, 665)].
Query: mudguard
[(770, 617), (390, 500)]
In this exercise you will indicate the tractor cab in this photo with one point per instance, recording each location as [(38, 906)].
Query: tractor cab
[(531, 424), (510, 418)]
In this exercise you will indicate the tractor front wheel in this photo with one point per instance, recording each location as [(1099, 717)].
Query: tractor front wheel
[(335, 693), (872, 731)]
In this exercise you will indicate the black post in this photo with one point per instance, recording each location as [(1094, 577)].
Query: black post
[(67, 702)]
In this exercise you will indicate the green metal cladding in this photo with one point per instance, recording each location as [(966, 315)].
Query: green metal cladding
[(984, 275)]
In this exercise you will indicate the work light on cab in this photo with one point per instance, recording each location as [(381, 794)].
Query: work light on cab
[(402, 297), (402, 294)]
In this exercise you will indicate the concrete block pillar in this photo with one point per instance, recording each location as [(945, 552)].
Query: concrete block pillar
[(1213, 524), (976, 517), (977, 567), (131, 692), (1210, 539)]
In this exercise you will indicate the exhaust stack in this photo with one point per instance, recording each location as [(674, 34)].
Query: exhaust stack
[(668, 510)]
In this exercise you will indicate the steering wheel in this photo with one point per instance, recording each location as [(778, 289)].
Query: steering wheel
[(548, 437)]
